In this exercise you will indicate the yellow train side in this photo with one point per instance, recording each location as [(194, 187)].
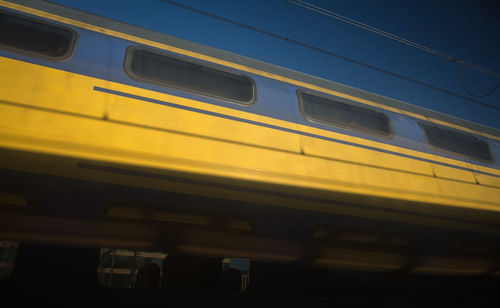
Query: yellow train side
[(64, 118)]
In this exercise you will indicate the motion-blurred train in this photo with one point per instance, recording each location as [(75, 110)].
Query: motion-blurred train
[(116, 136)]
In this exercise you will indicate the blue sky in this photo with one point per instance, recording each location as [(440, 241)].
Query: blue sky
[(335, 50)]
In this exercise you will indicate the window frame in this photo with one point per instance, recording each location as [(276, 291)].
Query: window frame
[(421, 124), (128, 70), (370, 132), (71, 46)]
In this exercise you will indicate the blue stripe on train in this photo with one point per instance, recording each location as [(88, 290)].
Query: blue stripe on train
[(289, 130)]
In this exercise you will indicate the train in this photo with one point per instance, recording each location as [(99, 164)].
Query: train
[(112, 135)]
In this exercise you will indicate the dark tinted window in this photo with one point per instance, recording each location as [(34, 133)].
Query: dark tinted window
[(8, 252), (129, 268), (456, 142), (37, 38), (189, 76), (328, 111), (153, 270)]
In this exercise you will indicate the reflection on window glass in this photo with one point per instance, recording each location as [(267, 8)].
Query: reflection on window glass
[(123, 268), (232, 266), (331, 112), (8, 252), (456, 142), (37, 38), (189, 76), (148, 270)]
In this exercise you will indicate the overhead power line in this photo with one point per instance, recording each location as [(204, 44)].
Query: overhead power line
[(327, 52), (358, 24), (462, 83), (435, 32)]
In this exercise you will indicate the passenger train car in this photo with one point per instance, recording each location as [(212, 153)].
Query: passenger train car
[(116, 136)]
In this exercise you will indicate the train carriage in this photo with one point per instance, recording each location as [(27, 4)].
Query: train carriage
[(116, 136)]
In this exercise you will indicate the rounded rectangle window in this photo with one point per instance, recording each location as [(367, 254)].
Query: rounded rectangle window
[(332, 112), (171, 71), (456, 142), (34, 37)]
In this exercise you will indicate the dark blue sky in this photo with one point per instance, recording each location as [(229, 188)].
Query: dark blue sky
[(342, 52)]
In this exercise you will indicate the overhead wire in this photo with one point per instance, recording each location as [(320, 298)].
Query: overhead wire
[(434, 32), (391, 36), (327, 52), (399, 39), (462, 83)]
